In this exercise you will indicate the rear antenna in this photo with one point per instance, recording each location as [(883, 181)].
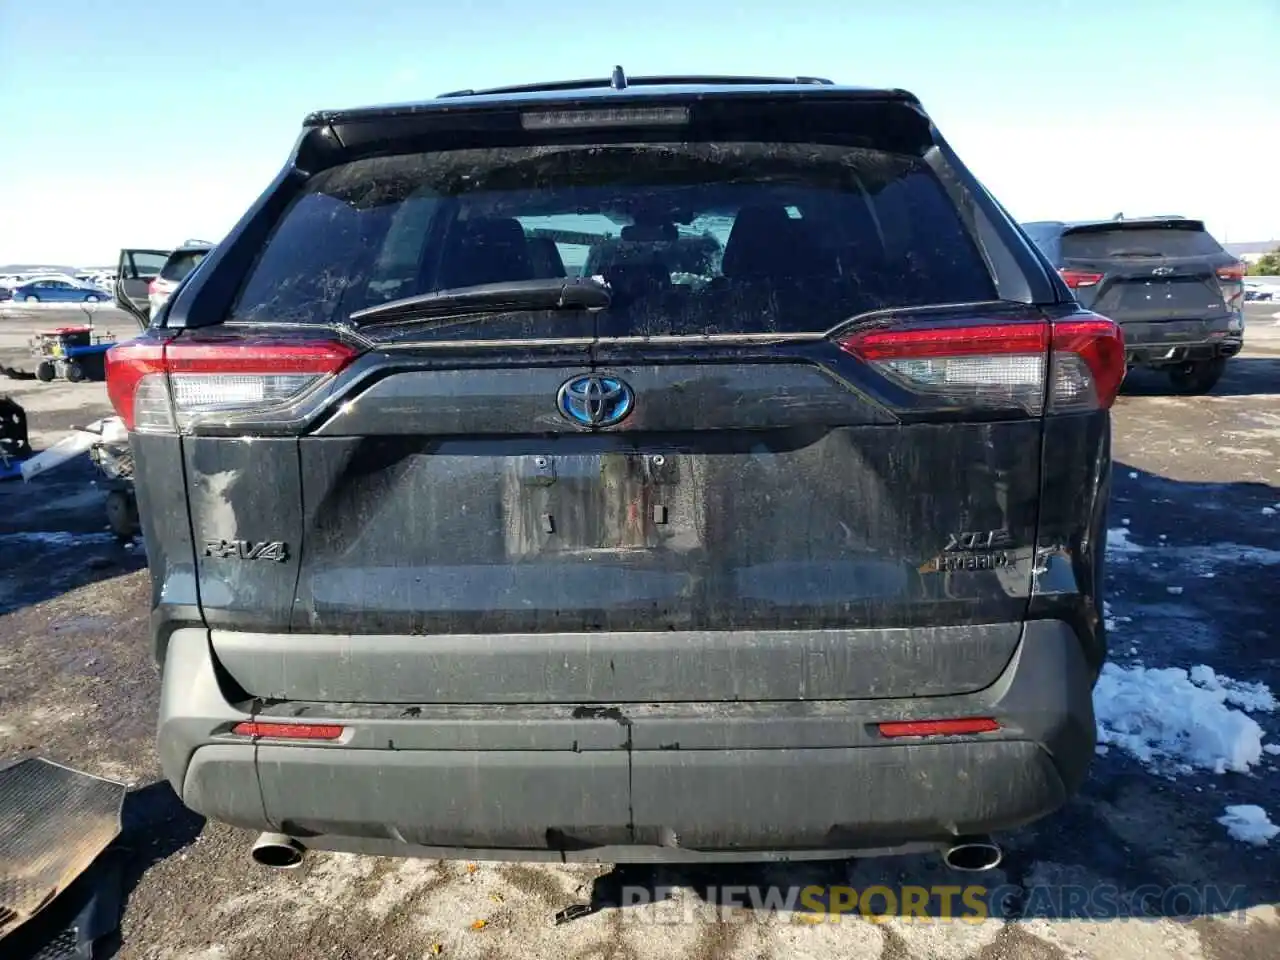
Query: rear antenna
[(619, 79)]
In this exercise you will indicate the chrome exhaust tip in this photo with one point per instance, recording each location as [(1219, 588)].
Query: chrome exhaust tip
[(973, 855), (277, 851)]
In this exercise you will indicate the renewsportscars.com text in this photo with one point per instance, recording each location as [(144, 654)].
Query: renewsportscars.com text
[(972, 903)]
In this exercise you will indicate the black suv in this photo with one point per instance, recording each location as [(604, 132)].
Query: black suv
[(1176, 293), (457, 550)]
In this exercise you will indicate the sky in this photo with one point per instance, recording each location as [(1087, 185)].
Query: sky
[(133, 123)]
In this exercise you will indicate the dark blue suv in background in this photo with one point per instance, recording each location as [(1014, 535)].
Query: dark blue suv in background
[(672, 468), (1176, 293)]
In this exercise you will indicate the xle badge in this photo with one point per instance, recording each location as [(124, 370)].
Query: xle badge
[(246, 550), (977, 540), (971, 551)]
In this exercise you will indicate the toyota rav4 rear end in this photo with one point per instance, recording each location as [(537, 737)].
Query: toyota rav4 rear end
[(782, 535)]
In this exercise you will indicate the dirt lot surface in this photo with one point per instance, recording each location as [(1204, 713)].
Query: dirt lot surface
[(1197, 484)]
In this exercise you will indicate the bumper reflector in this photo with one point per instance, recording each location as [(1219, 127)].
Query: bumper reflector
[(289, 731), (938, 728)]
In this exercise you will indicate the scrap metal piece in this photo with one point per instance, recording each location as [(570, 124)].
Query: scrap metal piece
[(54, 823), (108, 433)]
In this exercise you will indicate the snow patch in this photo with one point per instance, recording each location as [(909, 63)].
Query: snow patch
[(1110, 618), (1249, 824), (1168, 717), (1200, 558), (1118, 541), (1254, 697)]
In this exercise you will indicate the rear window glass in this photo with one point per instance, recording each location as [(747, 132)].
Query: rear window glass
[(1172, 241), (694, 238), (147, 264), (181, 264)]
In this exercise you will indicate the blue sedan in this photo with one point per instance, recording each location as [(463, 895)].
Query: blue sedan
[(56, 290)]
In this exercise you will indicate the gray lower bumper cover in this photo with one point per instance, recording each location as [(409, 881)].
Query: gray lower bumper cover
[(710, 777)]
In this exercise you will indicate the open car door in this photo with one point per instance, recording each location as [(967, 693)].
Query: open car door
[(134, 273)]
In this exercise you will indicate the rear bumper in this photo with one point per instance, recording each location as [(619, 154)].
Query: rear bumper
[(637, 781), (1176, 341)]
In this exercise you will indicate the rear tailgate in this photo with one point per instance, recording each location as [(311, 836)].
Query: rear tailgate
[(793, 477), (1151, 272)]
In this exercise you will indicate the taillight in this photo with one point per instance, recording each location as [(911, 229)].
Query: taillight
[(1231, 282), (1088, 364), (159, 387), (1075, 279), (1001, 365), (128, 366)]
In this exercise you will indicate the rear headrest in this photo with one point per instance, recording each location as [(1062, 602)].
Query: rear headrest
[(485, 251), (545, 257), (766, 243), (757, 233), (638, 278)]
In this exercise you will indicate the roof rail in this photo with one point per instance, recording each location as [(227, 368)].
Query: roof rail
[(618, 80)]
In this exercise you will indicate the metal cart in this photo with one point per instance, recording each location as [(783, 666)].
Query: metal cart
[(76, 353), (115, 463)]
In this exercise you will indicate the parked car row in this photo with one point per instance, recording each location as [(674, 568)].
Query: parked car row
[(53, 288), (146, 278), (1260, 290)]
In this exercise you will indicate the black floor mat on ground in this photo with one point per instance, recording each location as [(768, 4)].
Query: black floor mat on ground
[(83, 923), (54, 823)]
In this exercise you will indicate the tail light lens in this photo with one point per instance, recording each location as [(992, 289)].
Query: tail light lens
[(1075, 279), (1088, 364), (168, 387), (1231, 280), (1073, 365)]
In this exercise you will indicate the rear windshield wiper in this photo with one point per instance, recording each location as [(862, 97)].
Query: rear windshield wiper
[(551, 293)]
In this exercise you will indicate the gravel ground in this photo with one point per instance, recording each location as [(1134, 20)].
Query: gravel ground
[(1193, 475)]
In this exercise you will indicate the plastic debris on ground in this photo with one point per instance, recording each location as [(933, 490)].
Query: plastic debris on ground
[(1176, 721), (109, 431)]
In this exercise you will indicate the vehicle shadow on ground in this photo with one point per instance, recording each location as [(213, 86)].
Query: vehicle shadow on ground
[(53, 537), (154, 826), (1245, 377), (35, 569), (1132, 842)]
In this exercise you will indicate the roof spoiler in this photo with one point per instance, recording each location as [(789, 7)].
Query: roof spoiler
[(618, 80), (1174, 221)]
